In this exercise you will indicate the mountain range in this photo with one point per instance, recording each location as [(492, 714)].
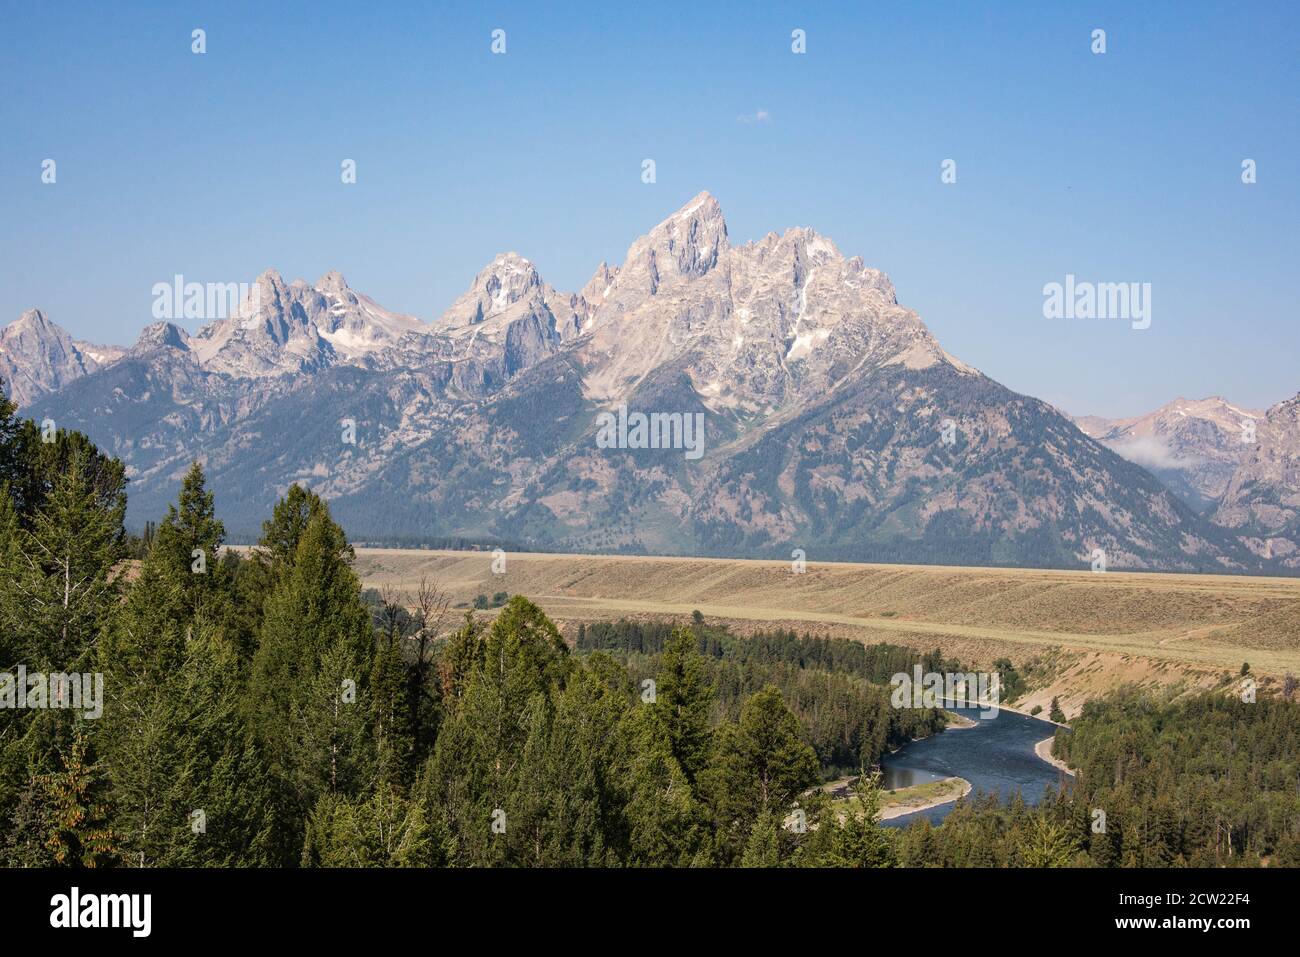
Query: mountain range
[(1193, 445), (835, 423)]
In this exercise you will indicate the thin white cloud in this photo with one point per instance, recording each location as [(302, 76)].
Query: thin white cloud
[(758, 116), (1152, 453)]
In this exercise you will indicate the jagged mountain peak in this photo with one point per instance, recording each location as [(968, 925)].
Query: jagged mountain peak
[(1170, 417), (162, 334), (510, 260), (508, 278), (505, 288), (298, 326), (270, 279), (813, 246), (332, 282), (752, 325), (599, 285), (38, 356), (34, 319), (1286, 405), (1215, 408), (702, 207), (335, 289), (354, 324), (686, 245), (32, 332)]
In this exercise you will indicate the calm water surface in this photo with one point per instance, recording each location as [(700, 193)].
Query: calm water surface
[(995, 756)]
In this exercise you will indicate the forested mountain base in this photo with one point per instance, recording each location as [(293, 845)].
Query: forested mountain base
[(259, 710)]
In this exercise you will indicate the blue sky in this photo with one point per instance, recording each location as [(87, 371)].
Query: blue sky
[(1119, 167)]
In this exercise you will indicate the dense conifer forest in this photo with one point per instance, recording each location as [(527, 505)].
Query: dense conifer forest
[(260, 709)]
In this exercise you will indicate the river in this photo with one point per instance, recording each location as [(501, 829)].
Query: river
[(995, 756)]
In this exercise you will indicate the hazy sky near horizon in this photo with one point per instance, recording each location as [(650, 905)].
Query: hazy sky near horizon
[(1122, 167)]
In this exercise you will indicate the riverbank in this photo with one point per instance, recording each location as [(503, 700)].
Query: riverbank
[(902, 801), (1028, 714), (957, 721), (922, 797), (1044, 750)]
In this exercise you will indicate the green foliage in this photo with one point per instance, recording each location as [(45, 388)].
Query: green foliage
[(1011, 685), (852, 838), (763, 849), (185, 548), (759, 767), (1047, 844), (668, 824), (310, 670), (61, 537), (833, 685), (385, 830), (77, 832), (62, 555), (682, 704)]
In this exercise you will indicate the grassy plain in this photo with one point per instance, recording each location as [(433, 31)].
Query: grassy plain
[(1075, 633)]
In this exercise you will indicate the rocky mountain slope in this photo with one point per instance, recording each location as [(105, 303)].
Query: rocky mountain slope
[(1192, 445), (38, 357), (1262, 500), (834, 422)]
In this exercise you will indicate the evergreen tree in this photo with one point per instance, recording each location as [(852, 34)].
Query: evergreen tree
[(856, 837), (763, 849), (390, 717), (384, 830), (9, 456), (140, 652), (668, 824), (760, 766), (282, 532), (60, 538), (568, 805), (65, 561), (683, 702), (77, 831), (460, 659), (40, 461), (220, 806), (1047, 844), (499, 704), (187, 544), (11, 605), (310, 668)]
